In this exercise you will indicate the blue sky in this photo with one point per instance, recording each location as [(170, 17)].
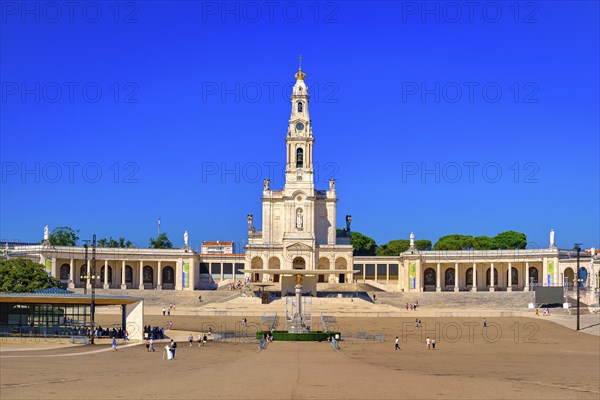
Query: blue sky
[(433, 117)]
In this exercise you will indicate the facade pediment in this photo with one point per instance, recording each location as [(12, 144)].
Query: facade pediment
[(299, 247)]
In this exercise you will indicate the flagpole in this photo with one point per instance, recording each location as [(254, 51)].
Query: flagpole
[(158, 227)]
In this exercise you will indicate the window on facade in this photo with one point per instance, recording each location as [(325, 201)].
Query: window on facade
[(299, 106), (299, 158)]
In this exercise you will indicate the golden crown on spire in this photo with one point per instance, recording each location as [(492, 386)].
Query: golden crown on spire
[(300, 75)]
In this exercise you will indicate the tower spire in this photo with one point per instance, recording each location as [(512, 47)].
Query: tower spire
[(300, 75)]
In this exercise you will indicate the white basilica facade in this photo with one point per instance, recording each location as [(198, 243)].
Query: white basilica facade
[(299, 222)]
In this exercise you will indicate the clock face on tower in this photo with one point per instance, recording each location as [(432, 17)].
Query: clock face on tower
[(300, 126)]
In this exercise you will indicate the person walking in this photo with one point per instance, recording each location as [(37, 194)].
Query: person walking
[(484, 323), (164, 311), (173, 347), (114, 344), (428, 341), (191, 339), (433, 343), (397, 346), (151, 344)]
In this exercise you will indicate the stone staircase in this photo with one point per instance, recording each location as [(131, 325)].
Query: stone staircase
[(457, 300)]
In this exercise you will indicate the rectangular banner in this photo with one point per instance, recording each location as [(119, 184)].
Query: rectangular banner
[(48, 265), (412, 274), (186, 274), (550, 273)]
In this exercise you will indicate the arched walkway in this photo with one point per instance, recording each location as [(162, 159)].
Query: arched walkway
[(323, 264), (341, 264), (569, 279), (274, 263), (534, 276), (449, 278), (148, 277)]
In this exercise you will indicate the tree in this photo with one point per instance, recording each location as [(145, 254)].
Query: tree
[(113, 243), (423, 244), (510, 240), (484, 243), (63, 236), (363, 245), (24, 275), (161, 242), (393, 247), (454, 242)]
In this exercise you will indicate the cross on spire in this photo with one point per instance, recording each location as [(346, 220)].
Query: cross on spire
[(300, 58)]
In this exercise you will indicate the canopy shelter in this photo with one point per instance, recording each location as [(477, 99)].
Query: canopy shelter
[(58, 312)]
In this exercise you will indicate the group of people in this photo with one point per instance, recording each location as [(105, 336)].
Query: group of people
[(167, 311), (154, 333), (545, 312), (412, 306), (202, 339), (114, 333), (430, 342)]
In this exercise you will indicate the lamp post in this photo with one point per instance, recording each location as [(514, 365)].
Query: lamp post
[(577, 280), (92, 277)]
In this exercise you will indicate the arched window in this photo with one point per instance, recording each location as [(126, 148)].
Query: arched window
[(65, 270), (168, 275), (533, 275), (299, 106), (83, 272), (429, 277), (299, 158), (469, 276), (449, 277), (128, 274), (148, 274)]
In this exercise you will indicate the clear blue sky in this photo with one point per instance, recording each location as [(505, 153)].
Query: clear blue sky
[(182, 107)]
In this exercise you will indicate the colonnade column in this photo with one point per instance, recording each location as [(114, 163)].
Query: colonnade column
[(88, 268), (492, 283), (526, 288), (474, 287), (159, 277), (544, 280), (53, 267), (509, 278), (141, 276), (123, 276), (71, 273), (456, 275), (387, 274), (105, 286), (438, 278)]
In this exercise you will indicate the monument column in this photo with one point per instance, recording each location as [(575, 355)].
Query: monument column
[(159, 277), (526, 287), (492, 283), (438, 278), (105, 286), (509, 278), (474, 287), (123, 276), (141, 276), (71, 273)]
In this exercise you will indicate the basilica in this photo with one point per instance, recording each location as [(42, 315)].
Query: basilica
[(299, 238)]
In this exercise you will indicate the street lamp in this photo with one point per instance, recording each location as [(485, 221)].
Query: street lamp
[(92, 278), (577, 280)]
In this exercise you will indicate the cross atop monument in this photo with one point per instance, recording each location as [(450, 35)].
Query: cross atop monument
[(300, 58)]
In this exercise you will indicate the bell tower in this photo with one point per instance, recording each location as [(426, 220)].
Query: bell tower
[(299, 172)]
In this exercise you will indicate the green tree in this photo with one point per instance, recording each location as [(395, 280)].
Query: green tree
[(24, 275), (161, 242), (423, 244), (363, 245), (484, 243), (64, 236), (114, 243), (454, 242), (510, 240), (393, 247)]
